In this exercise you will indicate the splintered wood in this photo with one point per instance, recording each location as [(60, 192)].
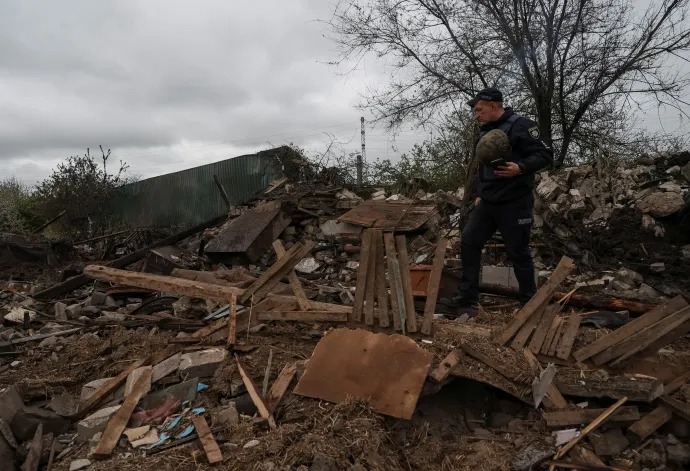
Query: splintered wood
[(433, 287), (635, 338), (537, 302), (362, 274), (207, 441)]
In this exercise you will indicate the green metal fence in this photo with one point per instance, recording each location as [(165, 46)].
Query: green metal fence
[(191, 197)]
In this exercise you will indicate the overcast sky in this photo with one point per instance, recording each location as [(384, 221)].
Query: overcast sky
[(173, 84)]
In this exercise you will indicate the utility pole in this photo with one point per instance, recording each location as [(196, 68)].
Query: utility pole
[(359, 170), (364, 153)]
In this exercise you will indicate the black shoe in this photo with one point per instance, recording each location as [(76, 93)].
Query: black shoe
[(460, 306)]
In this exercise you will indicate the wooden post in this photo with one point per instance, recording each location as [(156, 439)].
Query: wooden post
[(432, 290)]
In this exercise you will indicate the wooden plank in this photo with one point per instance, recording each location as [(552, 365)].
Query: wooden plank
[(275, 279), (118, 422), (664, 341), (404, 264), (33, 457), (315, 305), (571, 418), (303, 316), (632, 327), (362, 273), (223, 193), (583, 456), (555, 324), (292, 278), (381, 285), (488, 361), (254, 394), (642, 339), (528, 327), (213, 453), (280, 386), (370, 290), (681, 409), (442, 371), (635, 390), (676, 384), (591, 427), (557, 338), (232, 323), (543, 294), (543, 327), (391, 260), (193, 289), (553, 400), (648, 424), (569, 334), (269, 274), (433, 286)]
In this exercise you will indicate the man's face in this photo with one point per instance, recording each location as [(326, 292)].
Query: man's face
[(486, 111)]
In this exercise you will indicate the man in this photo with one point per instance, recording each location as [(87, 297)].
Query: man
[(503, 201)]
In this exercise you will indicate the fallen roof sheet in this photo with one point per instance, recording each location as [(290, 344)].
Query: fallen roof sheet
[(389, 216)]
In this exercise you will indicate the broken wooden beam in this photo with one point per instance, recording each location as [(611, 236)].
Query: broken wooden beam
[(568, 339), (528, 327), (292, 278), (381, 282), (648, 424), (587, 301), (80, 280), (571, 418), (631, 328), (118, 422), (404, 264), (543, 295), (35, 450), (542, 329), (209, 444), (442, 371), (271, 277), (193, 289), (280, 386), (222, 191), (433, 286), (362, 274), (232, 323), (681, 409), (397, 308), (552, 335), (487, 361), (370, 290), (303, 316), (257, 399), (638, 391)]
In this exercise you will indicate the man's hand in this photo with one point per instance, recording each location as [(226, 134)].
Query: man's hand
[(476, 201), (510, 169)]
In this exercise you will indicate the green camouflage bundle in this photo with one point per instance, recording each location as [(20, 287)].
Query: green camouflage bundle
[(493, 145)]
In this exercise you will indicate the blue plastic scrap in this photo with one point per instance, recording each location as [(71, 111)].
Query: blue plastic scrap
[(185, 432)]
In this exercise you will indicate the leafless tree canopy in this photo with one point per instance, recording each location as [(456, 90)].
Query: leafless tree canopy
[(574, 65)]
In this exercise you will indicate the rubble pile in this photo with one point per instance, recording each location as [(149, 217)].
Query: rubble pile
[(302, 332)]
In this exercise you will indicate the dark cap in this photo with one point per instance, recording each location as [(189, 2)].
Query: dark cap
[(488, 94)]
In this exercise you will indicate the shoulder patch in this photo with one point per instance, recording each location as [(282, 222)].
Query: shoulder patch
[(534, 132)]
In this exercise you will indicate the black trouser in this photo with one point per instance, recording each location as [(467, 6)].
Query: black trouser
[(514, 220)]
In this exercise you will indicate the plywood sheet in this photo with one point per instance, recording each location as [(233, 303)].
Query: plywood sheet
[(387, 370), (389, 216)]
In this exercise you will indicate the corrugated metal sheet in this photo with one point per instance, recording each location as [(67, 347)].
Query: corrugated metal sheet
[(191, 197)]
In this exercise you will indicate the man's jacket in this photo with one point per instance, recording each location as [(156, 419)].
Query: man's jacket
[(529, 152)]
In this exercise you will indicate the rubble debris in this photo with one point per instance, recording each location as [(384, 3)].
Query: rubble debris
[(213, 453), (201, 364), (635, 390), (568, 418), (254, 394), (76, 465), (389, 216), (660, 205), (10, 403), (95, 423), (391, 390), (33, 458)]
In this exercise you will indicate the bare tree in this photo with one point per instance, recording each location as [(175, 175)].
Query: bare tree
[(571, 64)]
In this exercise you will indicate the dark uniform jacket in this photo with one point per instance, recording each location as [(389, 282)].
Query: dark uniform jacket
[(529, 152)]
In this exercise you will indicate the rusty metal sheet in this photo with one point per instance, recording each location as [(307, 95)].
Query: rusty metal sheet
[(251, 234), (387, 370), (389, 215)]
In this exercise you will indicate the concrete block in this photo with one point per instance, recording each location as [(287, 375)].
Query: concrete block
[(201, 364), (25, 423), (504, 276), (166, 367), (97, 298), (73, 311), (89, 388), (61, 311), (95, 423), (228, 416), (134, 377), (10, 403)]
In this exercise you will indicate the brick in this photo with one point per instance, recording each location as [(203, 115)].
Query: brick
[(166, 367), (10, 403), (95, 423), (201, 364), (134, 376)]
